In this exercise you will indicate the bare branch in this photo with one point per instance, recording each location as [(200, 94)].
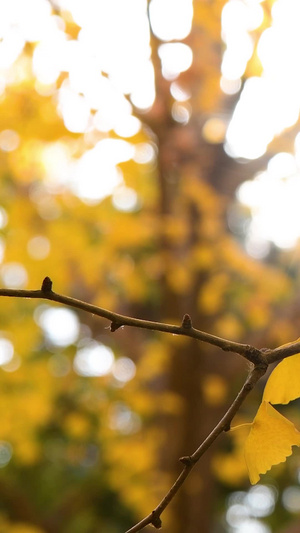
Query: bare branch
[(272, 356), (190, 461), (250, 353), (260, 359)]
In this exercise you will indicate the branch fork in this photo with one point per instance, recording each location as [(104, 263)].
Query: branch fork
[(260, 359)]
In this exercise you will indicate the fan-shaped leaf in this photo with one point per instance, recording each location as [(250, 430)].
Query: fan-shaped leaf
[(269, 442), (283, 385)]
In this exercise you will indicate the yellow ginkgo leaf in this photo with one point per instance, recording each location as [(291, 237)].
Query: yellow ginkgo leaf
[(269, 442), (283, 385)]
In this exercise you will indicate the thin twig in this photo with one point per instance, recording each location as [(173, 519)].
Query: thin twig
[(282, 352), (186, 329), (260, 359), (252, 354), (190, 461)]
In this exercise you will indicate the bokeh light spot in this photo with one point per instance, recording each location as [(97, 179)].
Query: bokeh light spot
[(181, 112), (214, 130), (124, 369), (13, 275), (291, 499), (6, 452), (9, 140), (38, 247), (94, 360), (125, 199), (123, 419), (261, 500), (6, 351), (171, 19), (175, 58), (60, 325), (3, 217)]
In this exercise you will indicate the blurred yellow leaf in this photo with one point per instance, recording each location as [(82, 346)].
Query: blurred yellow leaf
[(24, 528), (269, 442), (214, 388)]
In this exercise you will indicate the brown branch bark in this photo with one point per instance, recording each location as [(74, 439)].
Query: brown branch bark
[(260, 358), (190, 461), (186, 329)]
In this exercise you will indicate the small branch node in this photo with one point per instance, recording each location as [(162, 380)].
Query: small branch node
[(254, 355), (186, 322), (227, 427), (114, 326), (46, 285), (156, 521), (187, 460)]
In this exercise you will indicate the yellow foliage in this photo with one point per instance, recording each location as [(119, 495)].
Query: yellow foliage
[(283, 385), (203, 257), (154, 360), (39, 118), (269, 442), (207, 15), (230, 468), (6, 526), (211, 298), (203, 195), (132, 459), (258, 313), (175, 229), (26, 449), (179, 278), (23, 528), (229, 327), (77, 426), (214, 389)]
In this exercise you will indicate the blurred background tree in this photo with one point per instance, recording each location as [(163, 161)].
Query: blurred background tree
[(149, 165)]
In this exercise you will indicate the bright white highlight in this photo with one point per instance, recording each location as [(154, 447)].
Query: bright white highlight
[(94, 360), (175, 58), (124, 369), (95, 175), (273, 200), (238, 19), (171, 19), (125, 199), (253, 122), (74, 109), (271, 103), (6, 351), (13, 275), (245, 509), (60, 326), (107, 68)]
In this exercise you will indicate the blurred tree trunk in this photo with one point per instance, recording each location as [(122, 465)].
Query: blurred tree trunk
[(185, 156), (201, 267)]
